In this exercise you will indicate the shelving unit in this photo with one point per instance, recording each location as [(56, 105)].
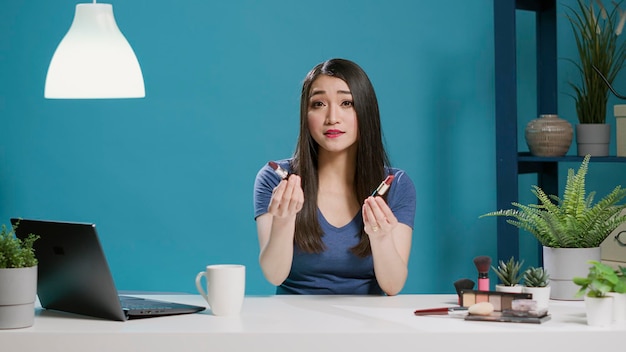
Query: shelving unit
[(509, 162)]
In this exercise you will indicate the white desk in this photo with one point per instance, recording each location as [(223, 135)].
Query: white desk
[(314, 323)]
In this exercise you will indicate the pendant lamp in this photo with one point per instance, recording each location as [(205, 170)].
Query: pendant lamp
[(94, 59)]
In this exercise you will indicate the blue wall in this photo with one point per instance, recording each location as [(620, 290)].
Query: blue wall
[(168, 179)]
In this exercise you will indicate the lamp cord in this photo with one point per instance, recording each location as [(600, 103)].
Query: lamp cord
[(608, 84)]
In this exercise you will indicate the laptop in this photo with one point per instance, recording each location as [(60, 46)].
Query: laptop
[(74, 276)]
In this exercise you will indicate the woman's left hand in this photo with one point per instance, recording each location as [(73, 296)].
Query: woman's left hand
[(377, 217)]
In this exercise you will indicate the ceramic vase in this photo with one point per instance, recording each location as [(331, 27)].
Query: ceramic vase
[(620, 129), (599, 310), (564, 264), (549, 135)]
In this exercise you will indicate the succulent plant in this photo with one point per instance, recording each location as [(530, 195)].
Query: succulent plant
[(509, 272), (536, 277)]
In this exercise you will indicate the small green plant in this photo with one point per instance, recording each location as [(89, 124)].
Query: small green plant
[(509, 272), (15, 253), (601, 279), (536, 277), (572, 221), (622, 272)]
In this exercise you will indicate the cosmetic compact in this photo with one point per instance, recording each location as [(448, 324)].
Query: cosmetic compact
[(508, 307)]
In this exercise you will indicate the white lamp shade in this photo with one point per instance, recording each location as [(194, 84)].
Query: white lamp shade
[(94, 59)]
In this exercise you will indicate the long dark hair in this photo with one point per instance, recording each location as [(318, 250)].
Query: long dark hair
[(371, 158)]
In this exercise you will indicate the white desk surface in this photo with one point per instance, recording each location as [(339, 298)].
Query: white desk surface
[(314, 323)]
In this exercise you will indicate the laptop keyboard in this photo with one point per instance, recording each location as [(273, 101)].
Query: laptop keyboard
[(137, 307), (139, 303)]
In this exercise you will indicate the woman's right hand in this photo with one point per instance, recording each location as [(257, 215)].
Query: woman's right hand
[(276, 229), (287, 198)]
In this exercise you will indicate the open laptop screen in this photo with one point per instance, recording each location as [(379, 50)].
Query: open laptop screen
[(74, 276)]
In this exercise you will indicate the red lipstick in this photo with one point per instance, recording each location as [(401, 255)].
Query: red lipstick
[(279, 170), (383, 187)]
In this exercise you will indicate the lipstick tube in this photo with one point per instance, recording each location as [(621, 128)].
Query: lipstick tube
[(383, 187)]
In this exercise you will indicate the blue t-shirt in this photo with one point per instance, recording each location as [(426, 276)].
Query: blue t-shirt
[(336, 270)]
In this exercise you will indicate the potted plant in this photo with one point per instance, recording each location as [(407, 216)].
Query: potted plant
[(595, 287), (18, 280), (570, 228), (596, 31), (536, 282), (510, 275), (619, 297)]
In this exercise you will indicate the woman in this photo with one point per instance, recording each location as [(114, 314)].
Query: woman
[(320, 230)]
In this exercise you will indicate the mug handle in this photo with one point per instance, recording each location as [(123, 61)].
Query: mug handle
[(199, 285)]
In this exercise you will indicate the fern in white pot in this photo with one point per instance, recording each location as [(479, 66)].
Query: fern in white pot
[(570, 228)]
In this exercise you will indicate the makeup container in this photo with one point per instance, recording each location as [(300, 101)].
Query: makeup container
[(509, 307), (501, 300)]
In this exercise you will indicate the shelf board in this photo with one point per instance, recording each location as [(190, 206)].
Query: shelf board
[(526, 157)]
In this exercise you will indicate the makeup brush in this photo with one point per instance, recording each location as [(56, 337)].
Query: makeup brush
[(483, 263), (463, 284), (442, 311)]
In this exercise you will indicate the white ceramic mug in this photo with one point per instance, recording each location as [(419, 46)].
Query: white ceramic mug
[(226, 286)]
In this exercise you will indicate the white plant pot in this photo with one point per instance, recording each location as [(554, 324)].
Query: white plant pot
[(593, 139), (18, 290), (514, 289), (563, 264), (619, 307), (540, 294), (599, 310)]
